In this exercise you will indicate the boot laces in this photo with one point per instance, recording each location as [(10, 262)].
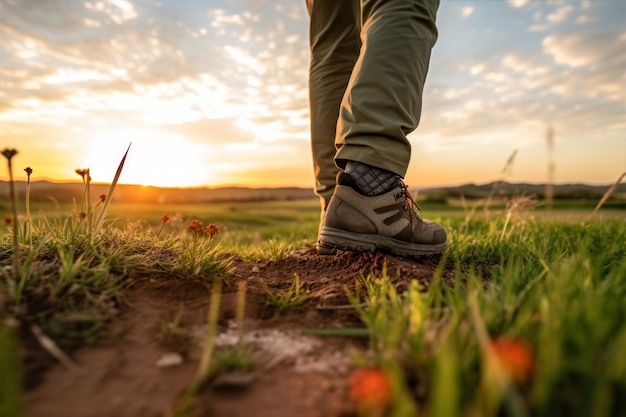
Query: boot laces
[(411, 206)]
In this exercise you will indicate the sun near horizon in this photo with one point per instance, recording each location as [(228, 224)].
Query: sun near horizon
[(154, 159), (168, 160)]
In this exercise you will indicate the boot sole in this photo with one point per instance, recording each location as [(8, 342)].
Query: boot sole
[(363, 242), (324, 250)]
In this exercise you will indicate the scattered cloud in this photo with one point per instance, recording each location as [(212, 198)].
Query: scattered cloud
[(584, 48), (560, 14), (466, 11), (119, 11), (518, 3), (231, 76)]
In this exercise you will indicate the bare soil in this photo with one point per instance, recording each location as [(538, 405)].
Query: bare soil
[(294, 373)]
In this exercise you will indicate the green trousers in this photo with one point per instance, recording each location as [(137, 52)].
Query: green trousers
[(369, 60)]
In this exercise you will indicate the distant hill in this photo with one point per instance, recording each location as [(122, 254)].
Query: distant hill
[(505, 189), (66, 192)]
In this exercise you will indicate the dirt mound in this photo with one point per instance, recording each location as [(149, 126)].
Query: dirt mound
[(150, 352)]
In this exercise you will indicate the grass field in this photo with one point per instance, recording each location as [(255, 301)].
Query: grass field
[(524, 316)]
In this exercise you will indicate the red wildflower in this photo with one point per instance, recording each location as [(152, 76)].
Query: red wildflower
[(196, 226), (515, 357), (103, 197), (370, 389), (165, 218), (212, 230), (8, 220)]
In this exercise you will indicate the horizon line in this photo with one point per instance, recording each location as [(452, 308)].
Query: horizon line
[(222, 186)]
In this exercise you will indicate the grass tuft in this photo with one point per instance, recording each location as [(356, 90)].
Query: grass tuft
[(551, 291), (295, 295)]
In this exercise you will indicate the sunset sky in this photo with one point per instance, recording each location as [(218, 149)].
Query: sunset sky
[(215, 92)]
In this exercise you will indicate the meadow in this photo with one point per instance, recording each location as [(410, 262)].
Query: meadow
[(523, 314)]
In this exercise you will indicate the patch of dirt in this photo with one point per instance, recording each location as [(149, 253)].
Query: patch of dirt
[(294, 373)]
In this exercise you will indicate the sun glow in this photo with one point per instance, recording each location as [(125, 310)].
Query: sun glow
[(155, 158)]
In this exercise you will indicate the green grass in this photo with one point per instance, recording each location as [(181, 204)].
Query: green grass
[(555, 286), (249, 229), (555, 282), (294, 296), (70, 278)]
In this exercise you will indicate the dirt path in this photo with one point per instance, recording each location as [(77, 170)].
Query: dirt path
[(294, 373)]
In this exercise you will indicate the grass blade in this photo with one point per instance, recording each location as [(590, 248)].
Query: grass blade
[(608, 193), (344, 331), (107, 201), (52, 348)]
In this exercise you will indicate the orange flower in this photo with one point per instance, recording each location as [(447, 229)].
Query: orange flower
[(196, 226), (370, 389), (165, 218), (212, 230), (515, 357), (103, 197), (7, 220)]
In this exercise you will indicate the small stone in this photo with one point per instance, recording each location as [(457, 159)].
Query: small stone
[(255, 269), (169, 359), (11, 323), (234, 379)]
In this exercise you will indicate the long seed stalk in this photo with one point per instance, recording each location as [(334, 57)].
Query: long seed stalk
[(88, 193), (28, 216), (107, 201), (9, 154), (507, 167), (608, 193)]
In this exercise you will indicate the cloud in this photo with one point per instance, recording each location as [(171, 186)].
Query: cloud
[(477, 69), (572, 79), (518, 3), (518, 64), (113, 61), (467, 11), (560, 14), (582, 49), (220, 18), (119, 11)]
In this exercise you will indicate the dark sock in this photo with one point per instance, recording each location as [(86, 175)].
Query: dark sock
[(372, 180)]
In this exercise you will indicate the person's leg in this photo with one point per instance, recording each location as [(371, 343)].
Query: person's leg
[(335, 44), (371, 208), (383, 99)]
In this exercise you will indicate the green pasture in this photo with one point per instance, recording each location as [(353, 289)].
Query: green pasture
[(550, 280), (247, 226)]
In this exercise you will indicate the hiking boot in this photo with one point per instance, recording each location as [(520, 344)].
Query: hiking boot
[(323, 250), (387, 222)]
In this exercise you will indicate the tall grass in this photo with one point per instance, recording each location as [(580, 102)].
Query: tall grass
[(556, 287), (67, 270)]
